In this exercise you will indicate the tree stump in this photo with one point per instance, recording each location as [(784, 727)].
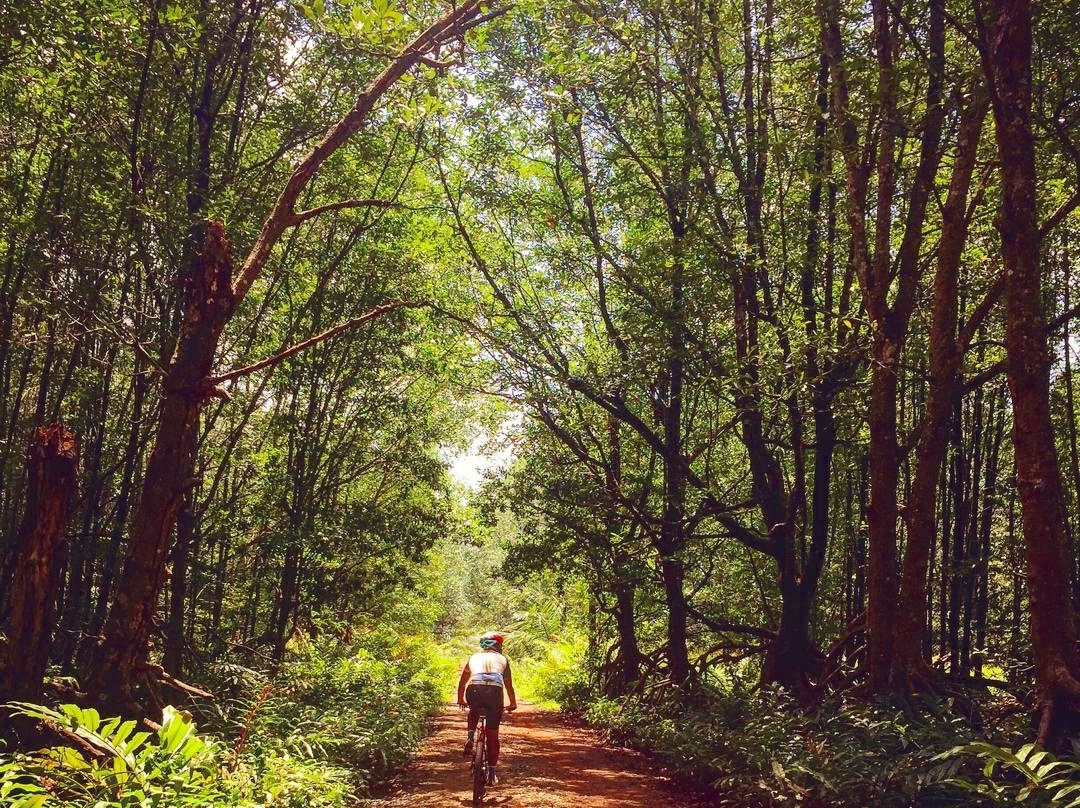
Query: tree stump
[(37, 559)]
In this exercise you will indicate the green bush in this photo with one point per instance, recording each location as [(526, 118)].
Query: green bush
[(760, 749), (332, 722), (173, 767), (554, 676), (363, 711), (273, 777), (130, 769)]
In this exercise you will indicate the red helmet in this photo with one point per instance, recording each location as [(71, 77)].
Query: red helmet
[(491, 639)]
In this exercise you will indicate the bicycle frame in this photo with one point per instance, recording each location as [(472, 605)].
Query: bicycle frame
[(479, 760)]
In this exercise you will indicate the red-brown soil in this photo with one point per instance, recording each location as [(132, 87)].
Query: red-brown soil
[(547, 762)]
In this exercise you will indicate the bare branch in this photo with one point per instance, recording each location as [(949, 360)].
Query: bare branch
[(725, 626), (996, 369), (1059, 215), (427, 61), (292, 350), (304, 215), (990, 299)]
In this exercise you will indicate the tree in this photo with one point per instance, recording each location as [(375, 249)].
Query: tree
[(1006, 47), (30, 597), (211, 298), (909, 669)]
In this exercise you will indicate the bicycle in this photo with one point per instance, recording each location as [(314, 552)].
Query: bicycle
[(479, 761)]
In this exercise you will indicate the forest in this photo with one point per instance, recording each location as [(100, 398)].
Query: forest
[(721, 353)]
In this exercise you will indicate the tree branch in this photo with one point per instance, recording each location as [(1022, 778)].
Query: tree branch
[(996, 369), (990, 299), (304, 215), (310, 342), (723, 626), (1059, 215), (452, 25)]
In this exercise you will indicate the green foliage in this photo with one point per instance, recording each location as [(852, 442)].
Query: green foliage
[(553, 677), (175, 766), (1027, 775), (760, 749), (334, 720), (365, 710)]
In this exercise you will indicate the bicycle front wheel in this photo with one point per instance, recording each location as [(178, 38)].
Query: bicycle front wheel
[(479, 765)]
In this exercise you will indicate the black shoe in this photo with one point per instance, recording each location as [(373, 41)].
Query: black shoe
[(468, 749), (492, 779)]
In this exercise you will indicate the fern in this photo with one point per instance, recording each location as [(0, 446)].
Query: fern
[(172, 767), (1029, 775)]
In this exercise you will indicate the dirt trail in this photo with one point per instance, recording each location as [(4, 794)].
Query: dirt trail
[(546, 762)]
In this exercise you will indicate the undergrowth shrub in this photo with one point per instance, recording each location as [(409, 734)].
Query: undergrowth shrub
[(365, 711), (126, 768), (553, 675), (760, 749), (328, 725), (997, 776)]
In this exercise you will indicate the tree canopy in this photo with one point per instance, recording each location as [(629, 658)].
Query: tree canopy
[(768, 304)]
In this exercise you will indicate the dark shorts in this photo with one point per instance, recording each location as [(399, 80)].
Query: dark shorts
[(486, 697)]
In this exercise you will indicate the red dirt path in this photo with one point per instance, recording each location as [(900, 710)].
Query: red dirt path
[(547, 762)]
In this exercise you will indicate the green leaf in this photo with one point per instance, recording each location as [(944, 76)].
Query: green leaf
[(32, 801)]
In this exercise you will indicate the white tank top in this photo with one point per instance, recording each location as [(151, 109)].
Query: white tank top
[(487, 668)]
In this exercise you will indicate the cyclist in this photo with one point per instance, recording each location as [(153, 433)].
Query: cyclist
[(481, 687)]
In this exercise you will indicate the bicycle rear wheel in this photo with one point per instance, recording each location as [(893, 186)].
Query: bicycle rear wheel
[(479, 762)]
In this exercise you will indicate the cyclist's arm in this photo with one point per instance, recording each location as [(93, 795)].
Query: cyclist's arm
[(508, 680), (462, 683)]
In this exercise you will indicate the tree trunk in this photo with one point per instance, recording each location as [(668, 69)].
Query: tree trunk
[(290, 574), (209, 303), (960, 506), (945, 532), (678, 655), (173, 658), (76, 607), (971, 565), (882, 513), (849, 550), (788, 658), (629, 652), (1070, 421), (888, 313), (982, 603), (31, 599), (672, 531), (860, 539), (221, 570), (1006, 46), (909, 670), (123, 500), (630, 669)]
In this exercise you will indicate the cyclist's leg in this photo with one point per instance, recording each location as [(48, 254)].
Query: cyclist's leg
[(493, 747), (473, 699), (495, 712)]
